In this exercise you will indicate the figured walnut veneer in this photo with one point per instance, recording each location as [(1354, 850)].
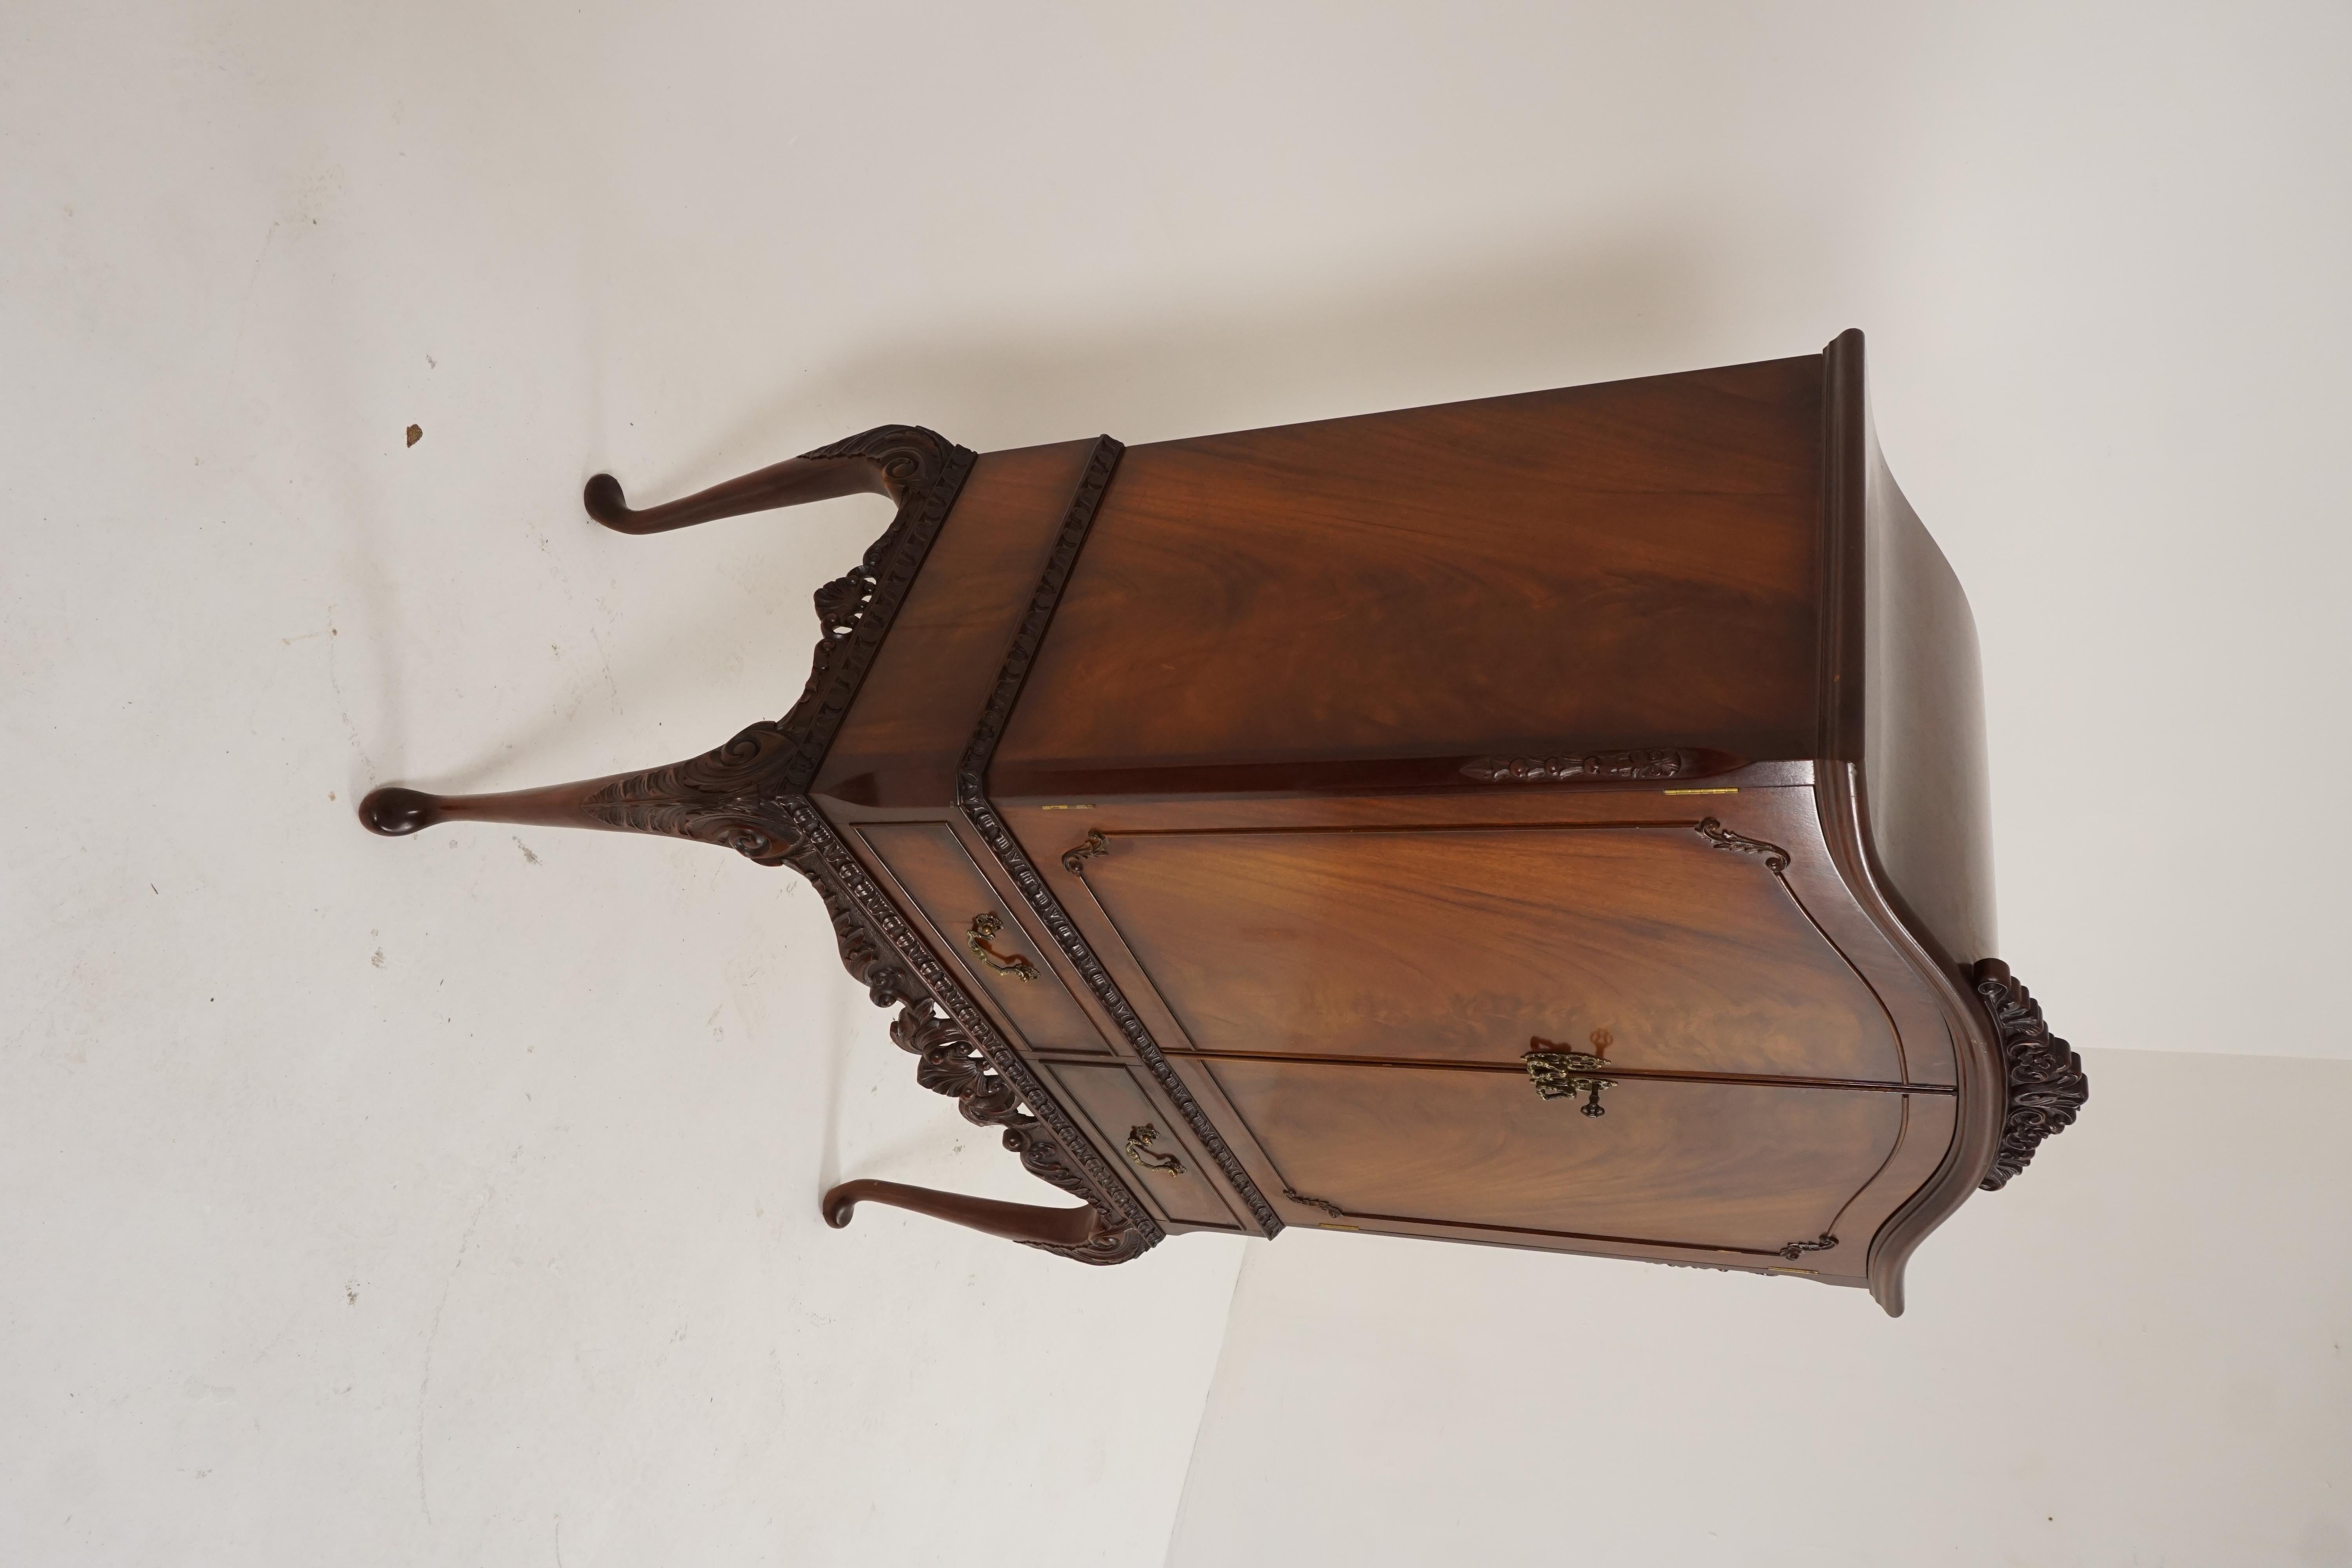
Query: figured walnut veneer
[(1553, 821)]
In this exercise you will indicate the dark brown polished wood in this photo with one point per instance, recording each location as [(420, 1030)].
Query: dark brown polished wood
[(1054, 1230), (1464, 942), (1632, 565), (1555, 820)]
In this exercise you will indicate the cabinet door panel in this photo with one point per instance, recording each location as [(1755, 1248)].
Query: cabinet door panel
[(1465, 944), (1744, 1168)]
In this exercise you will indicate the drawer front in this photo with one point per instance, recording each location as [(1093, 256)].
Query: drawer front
[(1744, 1169), (931, 864), (1129, 1126), (1651, 943)]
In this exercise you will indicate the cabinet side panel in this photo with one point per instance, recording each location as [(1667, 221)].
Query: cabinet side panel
[(1921, 749), (913, 713), (1923, 734), (1634, 564)]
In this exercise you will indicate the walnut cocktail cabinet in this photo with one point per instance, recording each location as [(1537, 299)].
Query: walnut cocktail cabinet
[(1553, 821)]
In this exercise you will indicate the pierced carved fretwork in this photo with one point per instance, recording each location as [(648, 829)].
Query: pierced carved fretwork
[(732, 796), (750, 795), (1063, 1154), (2044, 1079), (861, 952), (925, 471), (949, 1064)]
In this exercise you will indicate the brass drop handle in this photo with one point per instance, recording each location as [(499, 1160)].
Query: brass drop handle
[(1144, 1157), (1564, 1075), (986, 925)]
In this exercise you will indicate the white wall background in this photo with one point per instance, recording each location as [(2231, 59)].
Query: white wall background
[(501, 1247)]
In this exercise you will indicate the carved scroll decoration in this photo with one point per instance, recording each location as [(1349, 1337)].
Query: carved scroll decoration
[(1660, 764), (926, 471), (951, 1065), (750, 795), (1334, 1210), (1075, 860), (1797, 1249), (734, 797), (731, 796), (725, 797), (824, 856), (861, 955), (1776, 859), (2044, 1079), (971, 798)]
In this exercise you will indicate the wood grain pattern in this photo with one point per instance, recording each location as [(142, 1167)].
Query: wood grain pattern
[(1785, 812), (899, 744), (1718, 1165), (1921, 739), (1975, 1055), (1461, 945), (1929, 1124), (1626, 566), (1290, 785), (979, 816)]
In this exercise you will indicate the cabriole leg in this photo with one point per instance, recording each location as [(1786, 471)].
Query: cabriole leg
[(731, 798), (1057, 1230)]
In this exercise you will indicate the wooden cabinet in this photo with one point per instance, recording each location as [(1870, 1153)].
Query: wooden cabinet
[(1555, 820)]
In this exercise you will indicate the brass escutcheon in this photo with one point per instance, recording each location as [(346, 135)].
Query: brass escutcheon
[(1563, 1075)]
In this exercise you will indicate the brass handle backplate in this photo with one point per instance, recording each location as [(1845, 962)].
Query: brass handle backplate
[(1144, 1157), (1564, 1075), (986, 925)]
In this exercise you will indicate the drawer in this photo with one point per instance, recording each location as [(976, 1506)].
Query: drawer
[(930, 863), (1161, 1162)]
